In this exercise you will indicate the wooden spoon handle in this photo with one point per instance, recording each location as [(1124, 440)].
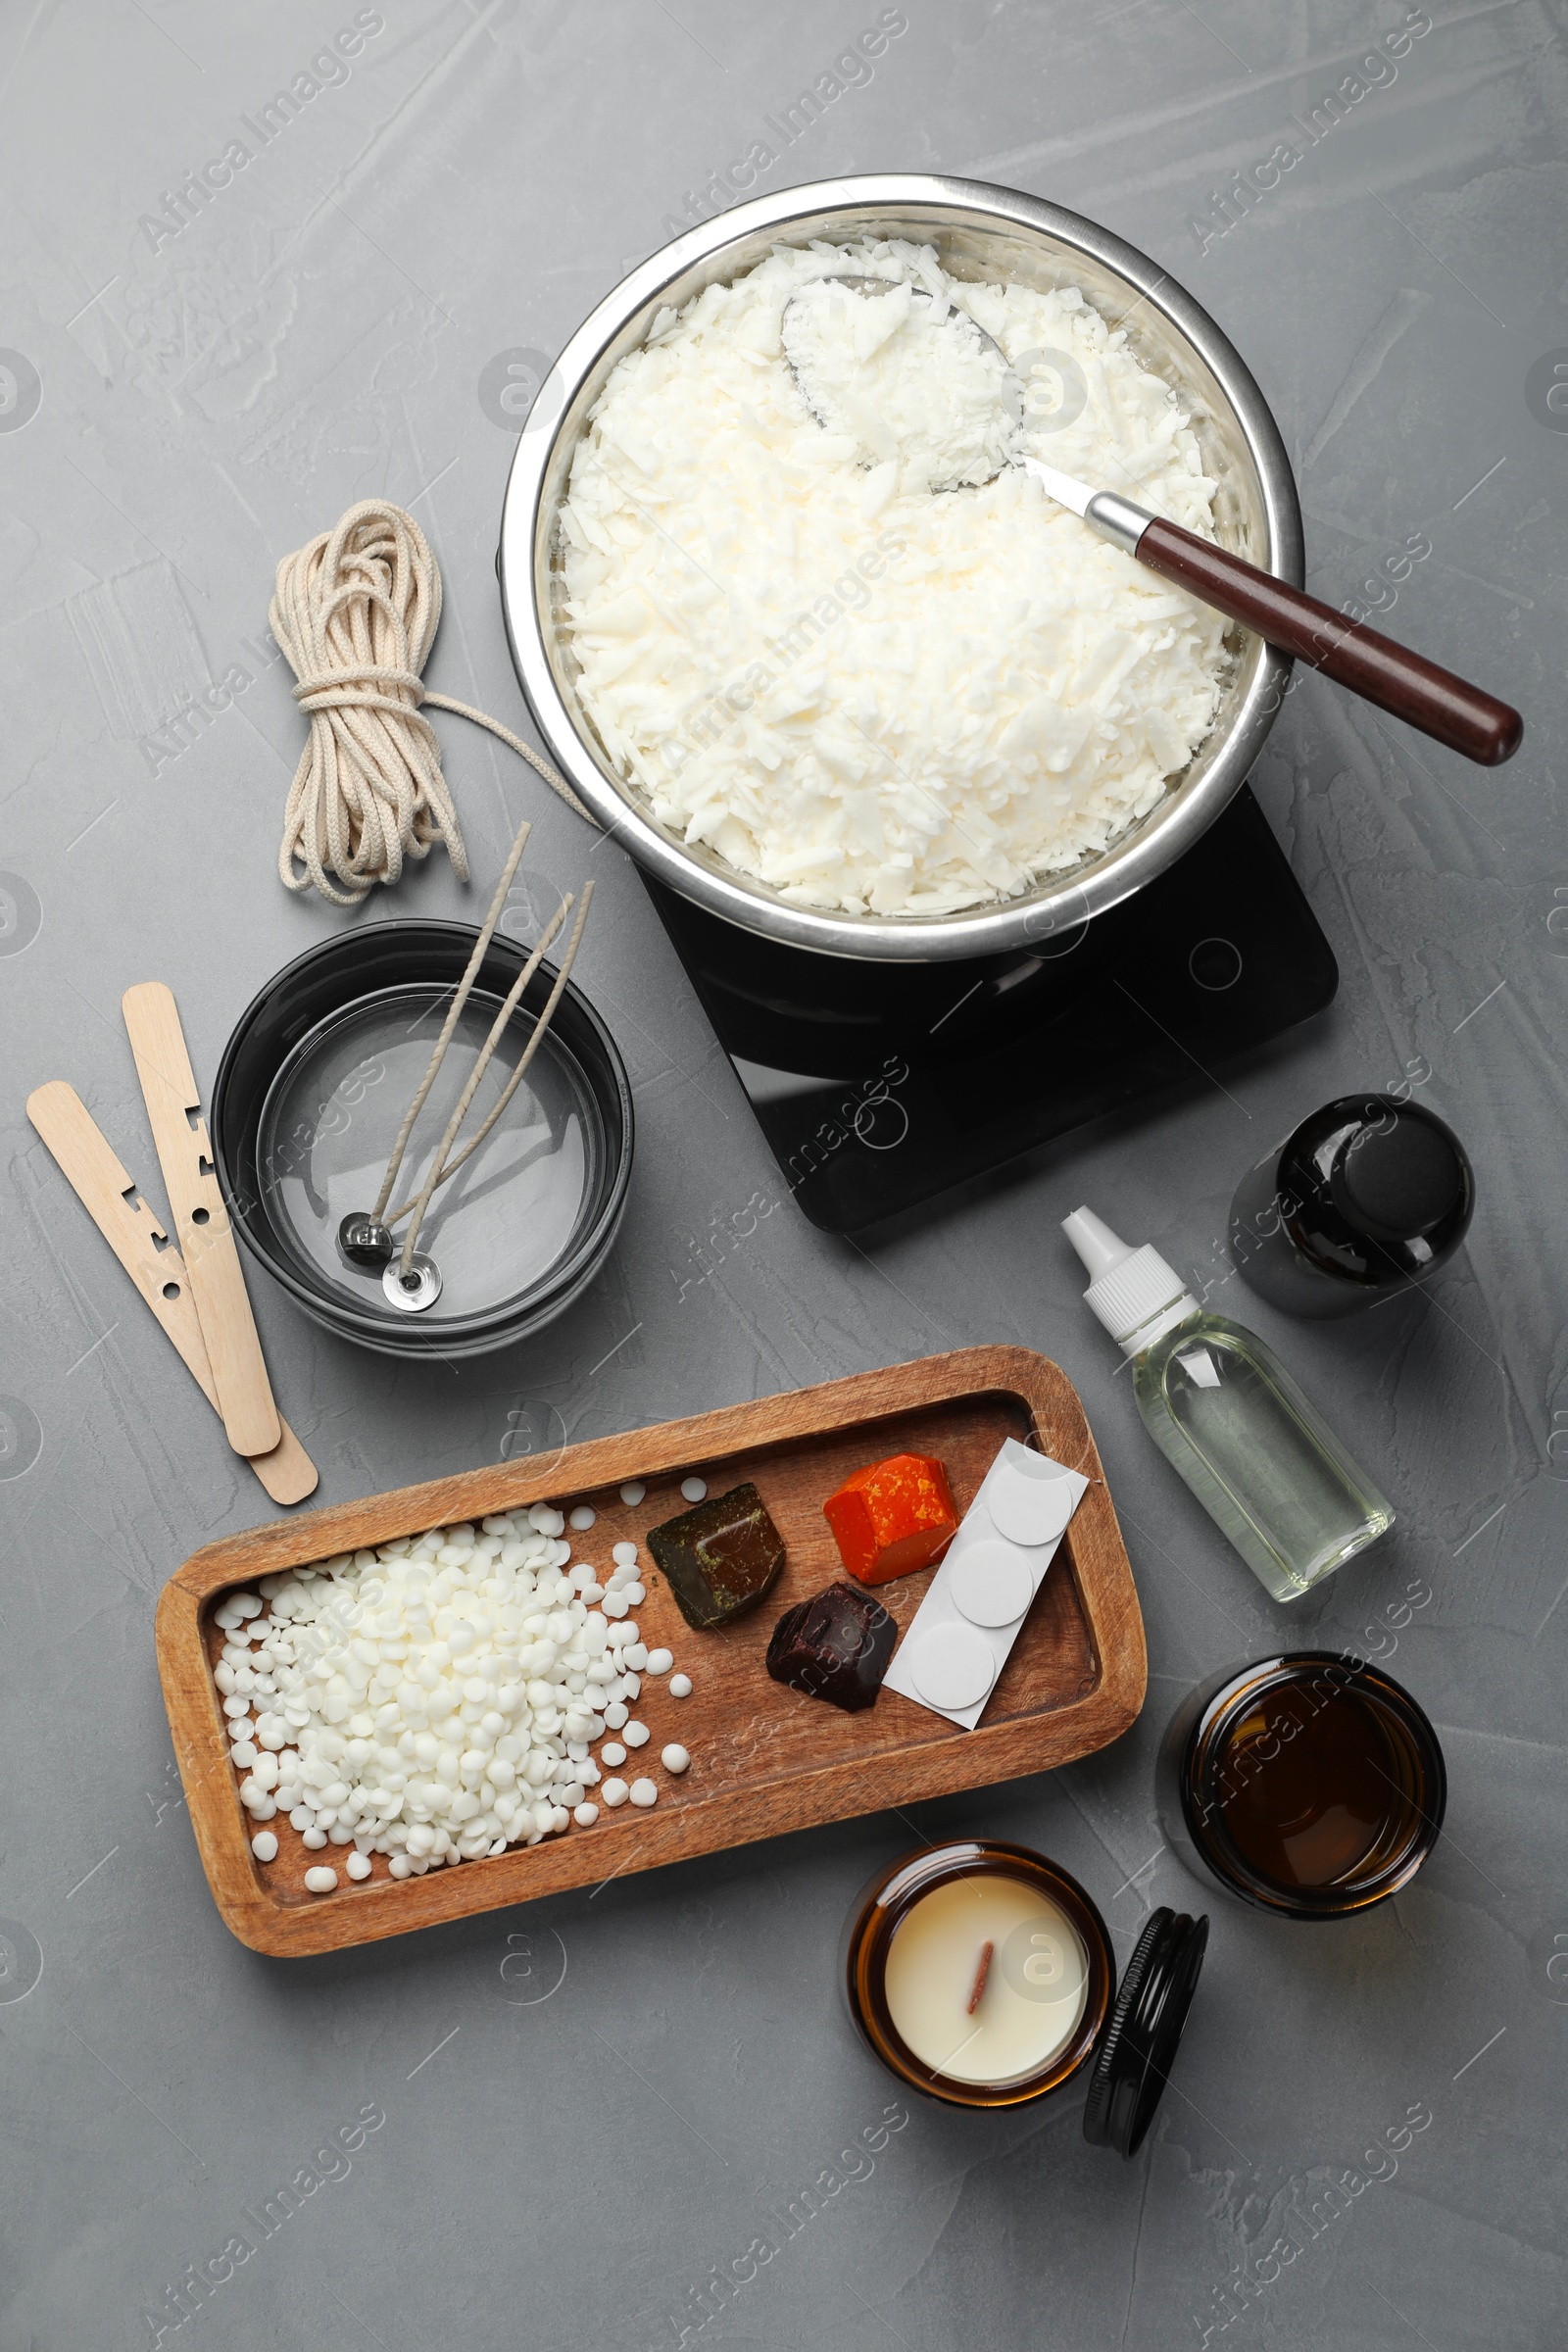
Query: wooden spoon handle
[(1412, 688)]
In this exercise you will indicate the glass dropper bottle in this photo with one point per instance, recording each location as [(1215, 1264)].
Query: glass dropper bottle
[(1224, 1411)]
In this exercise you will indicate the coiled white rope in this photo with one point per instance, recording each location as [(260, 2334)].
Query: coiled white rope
[(356, 613)]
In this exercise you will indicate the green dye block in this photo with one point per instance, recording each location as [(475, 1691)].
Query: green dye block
[(721, 1557)]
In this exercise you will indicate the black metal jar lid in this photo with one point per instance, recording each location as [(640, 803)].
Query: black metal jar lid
[(1139, 2046)]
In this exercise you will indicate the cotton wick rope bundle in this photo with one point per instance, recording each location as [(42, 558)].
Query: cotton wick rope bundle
[(356, 613)]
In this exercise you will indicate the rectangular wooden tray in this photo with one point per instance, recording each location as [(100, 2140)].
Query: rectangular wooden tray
[(764, 1759)]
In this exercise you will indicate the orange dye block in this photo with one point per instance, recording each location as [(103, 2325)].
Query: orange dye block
[(893, 1517)]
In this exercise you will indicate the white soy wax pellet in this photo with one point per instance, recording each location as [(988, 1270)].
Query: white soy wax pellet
[(680, 1685), (644, 1793), (357, 1866), (675, 1757), (320, 1879), (415, 1672), (264, 1845), (612, 1754), (582, 1518), (616, 1715), (659, 1661), (614, 1792), (400, 1867), (635, 1594), (585, 1815), (624, 1554), (636, 1734), (633, 1491), (694, 1489)]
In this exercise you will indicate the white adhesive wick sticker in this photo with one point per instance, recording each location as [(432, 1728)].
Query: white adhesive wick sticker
[(954, 1666), (1030, 1499), (992, 1585)]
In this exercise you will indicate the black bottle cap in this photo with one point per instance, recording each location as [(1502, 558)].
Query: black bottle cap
[(1140, 2042), (1396, 1182)]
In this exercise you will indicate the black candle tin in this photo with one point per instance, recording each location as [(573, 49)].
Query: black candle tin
[(311, 1089)]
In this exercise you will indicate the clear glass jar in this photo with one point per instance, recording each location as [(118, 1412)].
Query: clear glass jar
[(1310, 1785)]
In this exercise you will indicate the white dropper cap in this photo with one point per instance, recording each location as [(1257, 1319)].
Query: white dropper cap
[(1135, 1293)]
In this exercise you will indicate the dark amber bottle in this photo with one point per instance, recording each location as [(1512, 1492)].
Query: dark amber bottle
[(1368, 1197)]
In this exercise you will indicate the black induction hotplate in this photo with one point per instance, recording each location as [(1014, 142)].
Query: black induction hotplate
[(879, 1085)]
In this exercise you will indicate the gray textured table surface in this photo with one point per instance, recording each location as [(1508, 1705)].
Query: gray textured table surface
[(593, 2108)]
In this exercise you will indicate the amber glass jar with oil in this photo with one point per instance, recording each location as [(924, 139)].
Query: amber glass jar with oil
[(1311, 1785)]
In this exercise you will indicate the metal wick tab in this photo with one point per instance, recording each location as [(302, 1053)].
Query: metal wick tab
[(419, 1288), (364, 1241)]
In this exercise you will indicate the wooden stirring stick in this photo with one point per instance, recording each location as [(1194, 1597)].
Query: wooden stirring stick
[(212, 1261), (95, 1174)]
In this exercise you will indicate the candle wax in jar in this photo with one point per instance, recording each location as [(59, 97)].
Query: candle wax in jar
[(1034, 1989)]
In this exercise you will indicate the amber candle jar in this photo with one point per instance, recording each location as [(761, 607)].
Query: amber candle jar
[(1311, 1785), (982, 1975)]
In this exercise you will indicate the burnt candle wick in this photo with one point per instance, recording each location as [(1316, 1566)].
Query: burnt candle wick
[(980, 1976)]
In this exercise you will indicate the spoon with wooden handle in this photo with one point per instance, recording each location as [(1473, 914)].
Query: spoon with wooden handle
[(1446, 708), (843, 395)]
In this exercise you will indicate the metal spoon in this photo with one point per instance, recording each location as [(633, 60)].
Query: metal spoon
[(1010, 390), (1470, 722)]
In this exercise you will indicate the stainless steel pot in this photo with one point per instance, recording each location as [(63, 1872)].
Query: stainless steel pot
[(979, 232)]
